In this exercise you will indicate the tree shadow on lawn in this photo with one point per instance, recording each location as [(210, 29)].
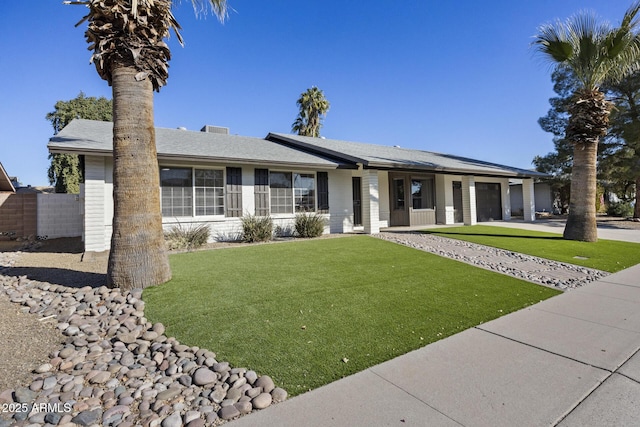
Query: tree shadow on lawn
[(58, 276)]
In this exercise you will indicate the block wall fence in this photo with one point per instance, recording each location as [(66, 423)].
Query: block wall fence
[(42, 215)]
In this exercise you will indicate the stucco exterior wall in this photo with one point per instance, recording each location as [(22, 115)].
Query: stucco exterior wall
[(543, 198), (97, 203), (340, 201), (59, 215), (384, 208)]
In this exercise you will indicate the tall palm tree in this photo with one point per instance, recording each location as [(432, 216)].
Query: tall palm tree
[(129, 52), (595, 53), (313, 107)]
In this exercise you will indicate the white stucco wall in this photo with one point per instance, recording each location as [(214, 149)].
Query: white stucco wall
[(59, 215), (370, 201), (340, 201), (97, 199), (384, 208), (444, 198), (96, 204), (543, 197)]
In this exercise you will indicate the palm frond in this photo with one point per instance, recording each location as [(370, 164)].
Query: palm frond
[(553, 42), (132, 33), (219, 8), (593, 50)]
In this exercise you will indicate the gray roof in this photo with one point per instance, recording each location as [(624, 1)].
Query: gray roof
[(96, 137), (388, 157)]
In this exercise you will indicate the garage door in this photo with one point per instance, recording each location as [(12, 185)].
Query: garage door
[(488, 201)]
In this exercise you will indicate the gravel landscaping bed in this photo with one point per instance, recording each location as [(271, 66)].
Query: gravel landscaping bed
[(106, 364), (526, 267)]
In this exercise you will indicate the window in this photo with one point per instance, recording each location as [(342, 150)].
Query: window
[(185, 191), (292, 192), (177, 193), (281, 192), (305, 192), (209, 192), (422, 193)]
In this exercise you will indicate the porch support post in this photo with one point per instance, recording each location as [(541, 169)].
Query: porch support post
[(506, 199), (370, 202), (469, 214), (444, 201), (528, 199)]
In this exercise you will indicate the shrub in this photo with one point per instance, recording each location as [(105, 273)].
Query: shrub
[(189, 238), (256, 228), (622, 209), (309, 225)]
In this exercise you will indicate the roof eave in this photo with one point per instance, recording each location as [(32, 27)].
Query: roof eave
[(205, 159), (78, 151), (312, 148), (451, 171), (5, 181), (258, 162)]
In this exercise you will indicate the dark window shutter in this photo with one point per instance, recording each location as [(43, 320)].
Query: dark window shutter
[(234, 192), (261, 191), (323, 192)]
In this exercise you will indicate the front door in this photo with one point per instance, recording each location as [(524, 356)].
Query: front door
[(399, 204), (356, 183)]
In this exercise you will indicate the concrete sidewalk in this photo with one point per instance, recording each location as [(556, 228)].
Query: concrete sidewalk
[(572, 360)]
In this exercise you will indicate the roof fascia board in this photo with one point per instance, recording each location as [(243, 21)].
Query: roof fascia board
[(227, 160), (461, 172), (4, 177), (313, 149), (202, 159)]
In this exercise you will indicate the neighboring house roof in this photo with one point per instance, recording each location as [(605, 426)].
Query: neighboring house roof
[(5, 181), (387, 157), (96, 137)]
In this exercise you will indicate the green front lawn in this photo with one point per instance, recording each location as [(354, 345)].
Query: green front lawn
[(606, 255), (310, 312)]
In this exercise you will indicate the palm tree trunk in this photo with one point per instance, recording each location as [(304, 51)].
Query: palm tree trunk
[(138, 256), (581, 223)]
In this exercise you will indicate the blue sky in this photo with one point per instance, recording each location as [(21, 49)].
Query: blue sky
[(453, 77)]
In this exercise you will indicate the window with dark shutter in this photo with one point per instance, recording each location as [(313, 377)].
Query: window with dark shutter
[(261, 191), (234, 192), (323, 192)]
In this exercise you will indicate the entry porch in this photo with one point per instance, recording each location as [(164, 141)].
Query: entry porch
[(407, 199)]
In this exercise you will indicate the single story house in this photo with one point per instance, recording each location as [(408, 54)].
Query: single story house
[(213, 177)]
